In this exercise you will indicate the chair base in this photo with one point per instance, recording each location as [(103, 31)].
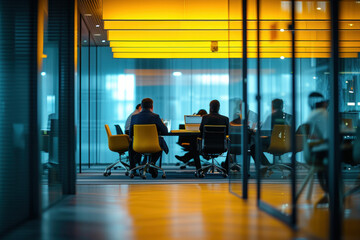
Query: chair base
[(281, 167), (145, 167), (187, 164), (107, 171), (211, 168)]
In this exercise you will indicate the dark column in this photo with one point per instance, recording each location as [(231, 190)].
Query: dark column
[(19, 130), (334, 136)]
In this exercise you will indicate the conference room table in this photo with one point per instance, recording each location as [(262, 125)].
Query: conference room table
[(183, 133)]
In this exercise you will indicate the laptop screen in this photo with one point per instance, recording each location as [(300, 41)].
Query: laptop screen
[(192, 119), (350, 119)]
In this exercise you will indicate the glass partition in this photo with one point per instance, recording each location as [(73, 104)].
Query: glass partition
[(276, 104), (349, 108), (49, 110)]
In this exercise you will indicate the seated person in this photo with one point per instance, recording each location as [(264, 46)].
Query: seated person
[(277, 117), (191, 148), (214, 118), (127, 123), (146, 116), (252, 116)]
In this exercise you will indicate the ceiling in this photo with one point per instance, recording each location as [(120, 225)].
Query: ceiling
[(91, 12)]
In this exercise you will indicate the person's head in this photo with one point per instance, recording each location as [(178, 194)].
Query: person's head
[(147, 103), (277, 105), (202, 112), (317, 100), (214, 106), (138, 107)]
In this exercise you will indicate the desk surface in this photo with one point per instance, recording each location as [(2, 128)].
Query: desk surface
[(182, 132)]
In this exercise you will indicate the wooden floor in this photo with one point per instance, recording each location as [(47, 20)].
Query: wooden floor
[(167, 211)]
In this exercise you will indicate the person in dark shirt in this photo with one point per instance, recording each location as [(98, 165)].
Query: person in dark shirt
[(191, 140), (214, 118), (146, 116)]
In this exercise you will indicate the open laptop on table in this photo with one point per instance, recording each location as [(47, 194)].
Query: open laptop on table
[(192, 122)]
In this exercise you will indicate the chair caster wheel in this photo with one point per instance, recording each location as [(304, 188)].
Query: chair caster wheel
[(182, 167), (163, 176), (132, 175), (225, 175), (107, 173), (126, 173), (143, 176)]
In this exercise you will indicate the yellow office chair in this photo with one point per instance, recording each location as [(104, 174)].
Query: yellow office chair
[(280, 143), (146, 142), (119, 144)]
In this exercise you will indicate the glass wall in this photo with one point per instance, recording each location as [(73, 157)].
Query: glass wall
[(349, 108), (178, 87), (49, 111)]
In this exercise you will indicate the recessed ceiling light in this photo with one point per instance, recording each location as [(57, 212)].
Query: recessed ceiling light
[(103, 41), (282, 30), (97, 34), (351, 24), (87, 15), (97, 25), (282, 57), (43, 73), (177, 74), (85, 41), (346, 81), (314, 77), (318, 8)]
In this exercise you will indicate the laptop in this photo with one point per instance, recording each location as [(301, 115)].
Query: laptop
[(192, 122), (350, 119)]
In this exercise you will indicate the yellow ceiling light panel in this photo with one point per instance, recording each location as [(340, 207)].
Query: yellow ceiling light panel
[(232, 44), (173, 55), (222, 9), (274, 50), (177, 44), (230, 55), (167, 35), (349, 9), (173, 50), (164, 9), (178, 25)]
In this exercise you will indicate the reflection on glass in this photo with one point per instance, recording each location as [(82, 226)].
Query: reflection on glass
[(48, 109)]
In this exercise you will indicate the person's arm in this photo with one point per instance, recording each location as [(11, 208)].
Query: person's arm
[(227, 126), (131, 130), (162, 129)]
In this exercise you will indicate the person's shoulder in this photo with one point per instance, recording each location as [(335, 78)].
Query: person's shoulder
[(155, 115), (224, 117)]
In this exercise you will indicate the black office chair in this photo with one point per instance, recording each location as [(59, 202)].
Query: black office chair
[(356, 160), (118, 129), (212, 144)]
